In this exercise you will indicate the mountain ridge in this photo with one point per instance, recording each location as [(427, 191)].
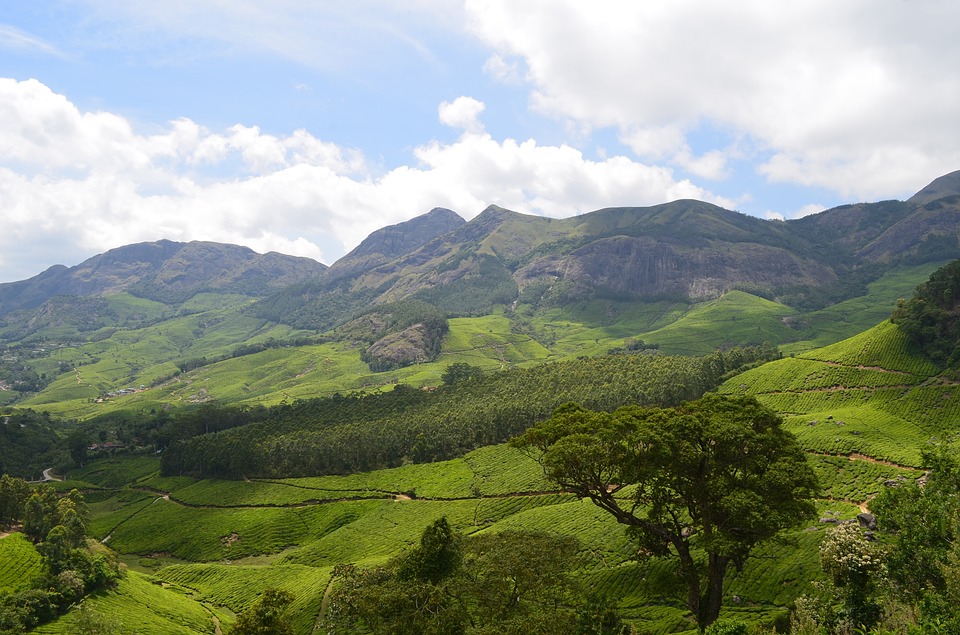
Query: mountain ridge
[(162, 270), (686, 248)]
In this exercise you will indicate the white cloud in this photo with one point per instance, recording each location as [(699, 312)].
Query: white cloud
[(463, 113), (503, 70), (859, 97), (90, 182)]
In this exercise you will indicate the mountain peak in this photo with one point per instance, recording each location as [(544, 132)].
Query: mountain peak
[(946, 185), (394, 241)]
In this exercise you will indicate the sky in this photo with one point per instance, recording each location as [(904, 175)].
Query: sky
[(300, 126)]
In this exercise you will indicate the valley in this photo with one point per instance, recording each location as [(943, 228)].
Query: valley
[(264, 421)]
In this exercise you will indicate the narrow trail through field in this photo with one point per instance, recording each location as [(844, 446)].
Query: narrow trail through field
[(324, 605), (383, 496), (138, 511), (839, 388), (879, 369), (856, 456)]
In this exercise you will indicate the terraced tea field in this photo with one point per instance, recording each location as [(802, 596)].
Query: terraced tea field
[(229, 540), (19, 562), (862, 409), (863, 396)]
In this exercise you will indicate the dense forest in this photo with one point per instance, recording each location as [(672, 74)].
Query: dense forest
[(931, 318), (361, 432)]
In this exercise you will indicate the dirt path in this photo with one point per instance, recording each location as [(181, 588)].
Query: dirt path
[(879, 369), (324, 605), (856, 456), (839, 389)]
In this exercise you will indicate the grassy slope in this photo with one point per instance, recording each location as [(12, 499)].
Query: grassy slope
[(19, 563), (210, 326), (239, 543), (141, 604), (736, 318), (865, 395), (848, 318)]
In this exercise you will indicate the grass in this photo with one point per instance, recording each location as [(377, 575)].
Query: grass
[(116, 472), (867, 394), (850, 317), (202, 534), (19, 563), (144, 605), (735, 318), (238, 587), (856, 480)]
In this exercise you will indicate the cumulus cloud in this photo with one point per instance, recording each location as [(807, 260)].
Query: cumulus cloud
[(75, 183), (858, 97), (462, 112)]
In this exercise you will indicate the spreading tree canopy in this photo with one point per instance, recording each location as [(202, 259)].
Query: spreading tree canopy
[(715, 476)]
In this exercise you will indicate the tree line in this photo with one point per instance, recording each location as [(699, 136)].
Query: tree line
[(72, 567), (361, 432), (930, 318)]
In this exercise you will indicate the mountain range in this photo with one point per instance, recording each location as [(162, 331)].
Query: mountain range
[(618, 272)]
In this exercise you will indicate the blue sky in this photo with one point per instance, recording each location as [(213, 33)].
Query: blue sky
[(300, 127)]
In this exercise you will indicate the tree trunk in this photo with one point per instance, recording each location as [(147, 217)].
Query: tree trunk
[(688, 569), (709, 606)]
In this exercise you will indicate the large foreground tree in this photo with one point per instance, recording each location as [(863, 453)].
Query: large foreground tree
[(715, 477)]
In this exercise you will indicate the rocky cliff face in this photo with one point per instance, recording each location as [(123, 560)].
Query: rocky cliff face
[(646, 267)]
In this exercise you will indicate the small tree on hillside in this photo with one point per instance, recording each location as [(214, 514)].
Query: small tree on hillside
[(718, 475), (267, 616)]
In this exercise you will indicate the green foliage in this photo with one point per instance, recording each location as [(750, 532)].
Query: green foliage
[(459, 371), (69, 568), (437, 557), (14, 493), (266, 616), (929, 319), (28, 443), (924, 523), (857, 570), (508, 582), (365, 432), (727, 627), (719, 474)]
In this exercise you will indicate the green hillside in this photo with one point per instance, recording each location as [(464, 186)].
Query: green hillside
[(862, 409), (212, 350), (868, 395), (236, 434), (236, 538)]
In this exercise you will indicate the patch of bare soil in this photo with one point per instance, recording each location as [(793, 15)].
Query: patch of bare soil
[(229, 540)]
